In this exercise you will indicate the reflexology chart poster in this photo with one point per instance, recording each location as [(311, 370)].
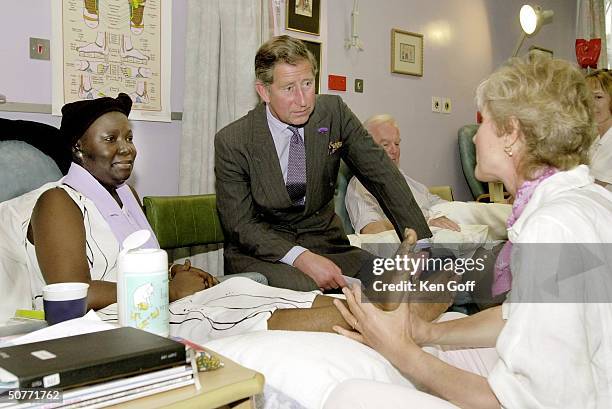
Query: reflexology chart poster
[(104, 47)]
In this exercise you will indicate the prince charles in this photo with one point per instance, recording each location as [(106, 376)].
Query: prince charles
[(276, 170)]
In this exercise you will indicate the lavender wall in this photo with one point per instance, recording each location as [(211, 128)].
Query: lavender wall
[(26, 80), (464, 42)]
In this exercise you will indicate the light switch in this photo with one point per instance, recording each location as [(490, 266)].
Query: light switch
[(358, 85)]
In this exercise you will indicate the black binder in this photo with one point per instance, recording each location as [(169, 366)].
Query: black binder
[(88, 358)]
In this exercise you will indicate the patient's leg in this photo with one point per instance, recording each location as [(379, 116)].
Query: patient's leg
[(321, 317)]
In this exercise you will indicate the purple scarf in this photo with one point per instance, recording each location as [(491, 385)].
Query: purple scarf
[(502, 278), (122, 222)]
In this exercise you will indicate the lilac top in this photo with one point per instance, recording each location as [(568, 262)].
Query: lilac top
[(122, 221)]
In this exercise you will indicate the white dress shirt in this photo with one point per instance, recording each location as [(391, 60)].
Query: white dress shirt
[(363, 208), (601, 159), (558, 354)]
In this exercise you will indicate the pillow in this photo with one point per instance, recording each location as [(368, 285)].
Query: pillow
[(24, 168), (15, 285), (383, 244), (306, 366), (492, 215), (462, 244)]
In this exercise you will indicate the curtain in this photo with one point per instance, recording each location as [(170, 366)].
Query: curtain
[(222, 39), (608, 25), (590, 23)]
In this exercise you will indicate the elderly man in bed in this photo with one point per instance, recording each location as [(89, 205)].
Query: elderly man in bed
[(368, 217)]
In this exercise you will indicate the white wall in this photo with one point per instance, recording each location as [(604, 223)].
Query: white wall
[(464, 40)]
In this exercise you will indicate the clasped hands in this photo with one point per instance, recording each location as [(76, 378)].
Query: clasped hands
[(186, 280)]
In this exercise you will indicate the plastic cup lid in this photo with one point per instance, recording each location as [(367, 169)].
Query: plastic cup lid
[(136, 239)]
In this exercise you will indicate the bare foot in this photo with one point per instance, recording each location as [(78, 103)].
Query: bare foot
[(391, 299), (429, 296)]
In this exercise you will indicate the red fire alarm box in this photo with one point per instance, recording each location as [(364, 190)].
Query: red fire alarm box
[(336, 82)]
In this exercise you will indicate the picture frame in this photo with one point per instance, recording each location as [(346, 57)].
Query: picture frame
[(544, 51), (406, 52), (303, 16), (315, 48)]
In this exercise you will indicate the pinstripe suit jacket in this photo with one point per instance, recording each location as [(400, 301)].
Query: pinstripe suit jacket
[(256, 212)]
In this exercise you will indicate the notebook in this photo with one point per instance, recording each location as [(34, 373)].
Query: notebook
[(88, 358)]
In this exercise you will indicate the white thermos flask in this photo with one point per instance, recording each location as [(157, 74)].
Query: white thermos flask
[(142, 286)]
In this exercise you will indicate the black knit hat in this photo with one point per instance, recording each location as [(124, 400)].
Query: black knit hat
[(78, 116)]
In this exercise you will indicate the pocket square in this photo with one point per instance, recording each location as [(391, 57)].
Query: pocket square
[(334, 146)]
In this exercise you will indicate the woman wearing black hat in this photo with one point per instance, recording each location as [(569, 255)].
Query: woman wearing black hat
[(72, 229)]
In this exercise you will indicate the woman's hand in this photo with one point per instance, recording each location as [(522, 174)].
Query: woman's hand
[(186, 280), (388, 332)]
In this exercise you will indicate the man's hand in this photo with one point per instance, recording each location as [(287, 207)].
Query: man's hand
[(444, 223), (322, 270)]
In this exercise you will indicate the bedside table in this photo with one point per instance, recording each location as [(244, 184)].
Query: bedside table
[(232, 386)]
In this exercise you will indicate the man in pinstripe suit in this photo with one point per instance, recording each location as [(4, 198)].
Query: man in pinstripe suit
[(277, 211)]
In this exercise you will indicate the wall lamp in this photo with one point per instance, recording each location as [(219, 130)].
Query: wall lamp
[(354, 40), (532, 18)]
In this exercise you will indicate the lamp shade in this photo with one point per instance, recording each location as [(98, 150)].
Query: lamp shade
[(529, 19), (532, 18)]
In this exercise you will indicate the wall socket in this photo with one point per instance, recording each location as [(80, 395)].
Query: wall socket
[(447, 106), (436, 104), (40, 49)]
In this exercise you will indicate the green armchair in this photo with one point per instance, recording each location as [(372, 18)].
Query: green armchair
[(344, 176), (185, 221), (482, 192), (467, 153)]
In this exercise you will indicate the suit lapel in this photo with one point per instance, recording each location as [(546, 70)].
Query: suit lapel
[(317, 144), (265, 159)]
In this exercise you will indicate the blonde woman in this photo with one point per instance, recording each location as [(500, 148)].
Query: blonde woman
[(537, 129), (600, 83)]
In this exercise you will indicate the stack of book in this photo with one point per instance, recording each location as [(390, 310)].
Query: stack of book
[(92, 370)]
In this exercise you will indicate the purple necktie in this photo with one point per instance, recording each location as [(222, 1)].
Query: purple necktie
[(296, 169)]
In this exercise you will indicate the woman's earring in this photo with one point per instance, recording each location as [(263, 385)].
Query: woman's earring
[(77, 152), (508, 150)]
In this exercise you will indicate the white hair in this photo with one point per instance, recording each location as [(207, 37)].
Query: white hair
[(380, 119)]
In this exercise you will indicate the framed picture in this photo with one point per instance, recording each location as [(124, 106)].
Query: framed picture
[(303, 16), (406, 52), (544, 51), (315, 48)]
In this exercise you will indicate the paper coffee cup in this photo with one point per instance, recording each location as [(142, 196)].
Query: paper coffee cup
[(64, 301)]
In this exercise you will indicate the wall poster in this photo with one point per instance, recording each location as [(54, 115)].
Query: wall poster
[(103, 47)]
